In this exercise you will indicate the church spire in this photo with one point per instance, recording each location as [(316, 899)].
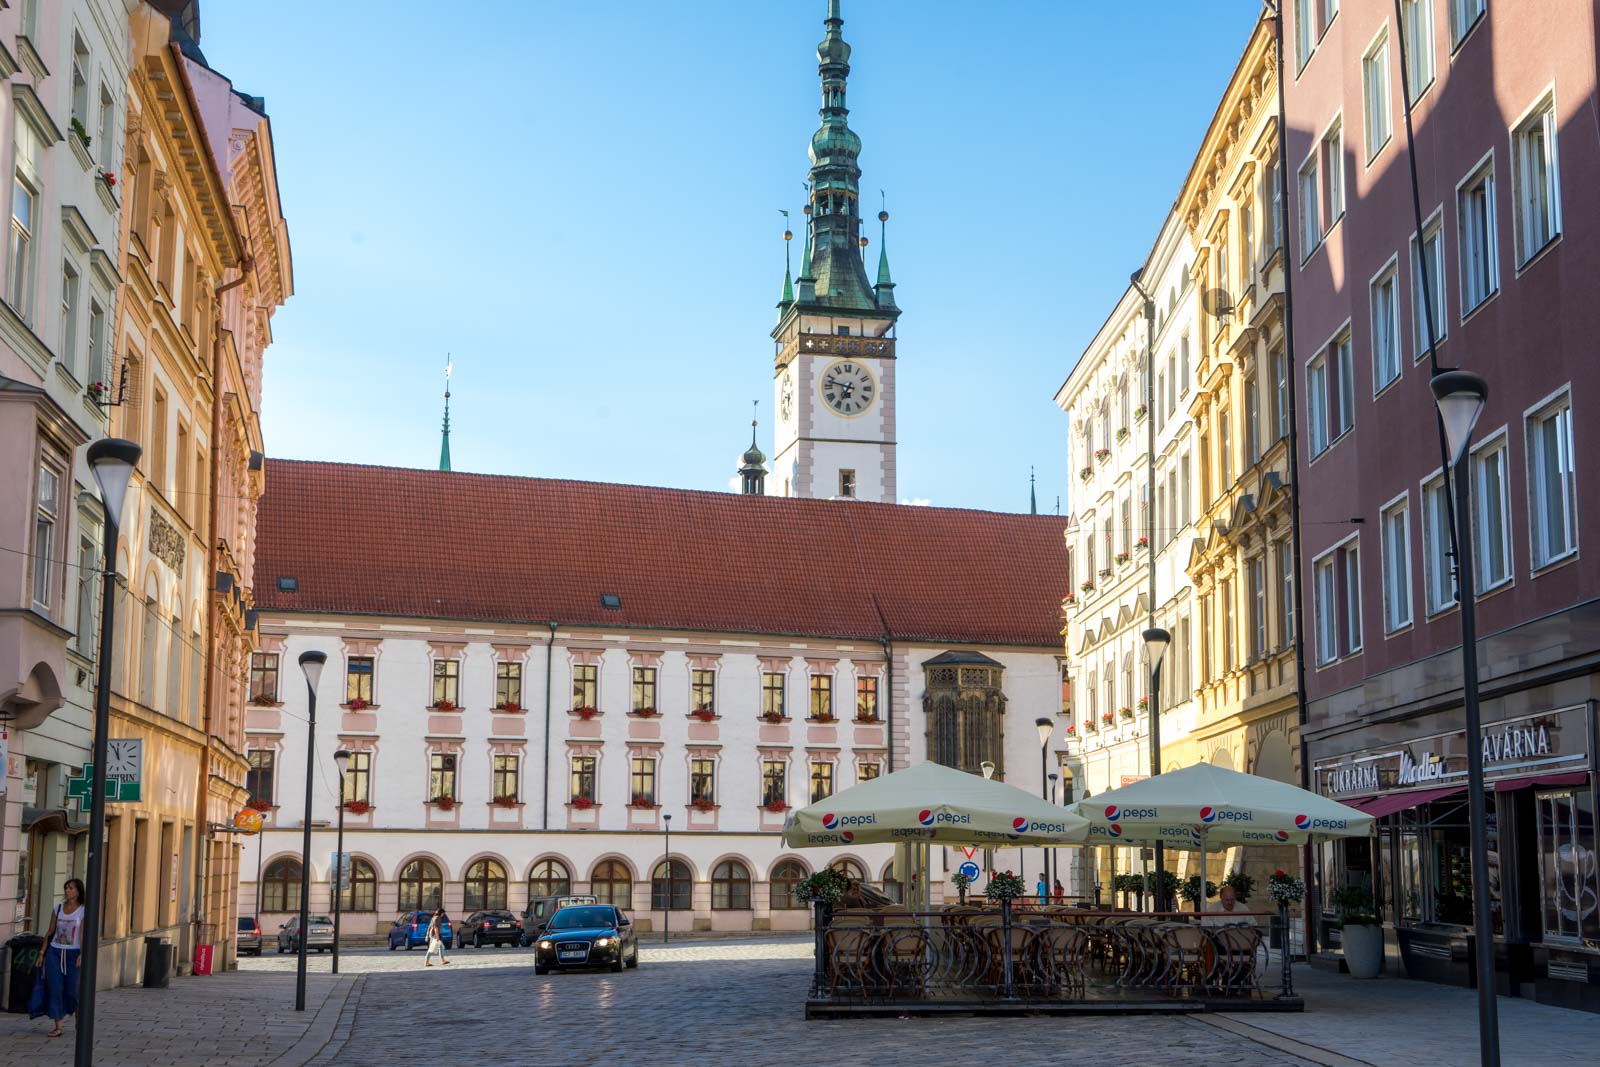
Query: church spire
[(885, 287), (753, 472), (444, 447), (1033, 499), (788, 282)]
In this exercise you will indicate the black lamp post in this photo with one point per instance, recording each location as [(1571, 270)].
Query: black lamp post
[(987, 767), (1461, 396), (1045, 726), (666, 903), (112, 461), (311, 664), (1156, 641), (341, 759)]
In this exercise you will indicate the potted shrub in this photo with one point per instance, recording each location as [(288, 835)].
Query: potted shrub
[(642, 802), (443, 705), (1243, 885), (645, 712), (776, 806), (703, 714), (582, 803), (1162, 889), (357, 704), (510, 707), (1190, 890), (1361, 930), (1004, 887), (259, 805), (357, 807), (585, 712), (703, 804), (960, 881), (443, 803), (772, 716), (505, 802)]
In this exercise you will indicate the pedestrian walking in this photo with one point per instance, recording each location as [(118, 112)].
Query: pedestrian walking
[(58, 995), (436, 940), (1044, 891)]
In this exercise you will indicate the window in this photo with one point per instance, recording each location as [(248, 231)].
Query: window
[(442, 776), (1332, 175), (362, 892), (1187, 508), (1385, 293), (1538, 193), (786, 878), (549, 878), (484, 887), (1247, 234), (1275, 194), (822, 696), (88, 592), (1286, 593), (1566, 884), (702, 780), (644, 688), (507, 770), (447, 683), (1225, 600), (1305, 31), (847, 483), (1225, 445), (180, 490), (1252, 415), (642, 783), (868, 771), (583, 774), (258, 779), (1317, 403), (280, 886), (69, 320), (1337, 582), (94, 365), (421, 886), (867, 699), (1396, 522), (772, 692), (108, 128), (612, 883), (774, 783), (358, 778), (80, 88), (585, 685), (24, 202), (1375, 92), (671, 886), (1464, 14), (730, 886), (1258, 607), (1310, 209), (1491, 516), (1480, 273), (1552, 488), (1437, 564), (1172, 383), (1433, 249), (46, 521), (1183, 365), (1417, 26), (508, 685), (358, 679), (703, 689), (821, 780)]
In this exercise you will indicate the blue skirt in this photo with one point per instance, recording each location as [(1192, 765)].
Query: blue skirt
[(60, 985)]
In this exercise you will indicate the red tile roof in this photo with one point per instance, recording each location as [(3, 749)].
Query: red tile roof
[(471, 547)]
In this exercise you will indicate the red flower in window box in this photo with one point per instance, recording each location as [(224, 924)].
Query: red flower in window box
[(703, 714), (644, 713), (109, 177), (357, 807), (772, 716), (823, 717), (1072, 731), (582, 803), (357, 704), (703, 804), (443, 803), (776, 806), (1108, 718), (260, 805), (510, 707), (444, 705), (642, 802), (585, 712), (505, 802), (866, 717)]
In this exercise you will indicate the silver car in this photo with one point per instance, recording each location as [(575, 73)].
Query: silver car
[(319, 937)]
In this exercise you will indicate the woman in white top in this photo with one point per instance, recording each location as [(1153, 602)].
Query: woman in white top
[(60, 960)]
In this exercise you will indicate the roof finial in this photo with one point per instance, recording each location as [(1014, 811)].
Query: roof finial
[(885, 287), (753, 472), (1033, 499), (788, 281), (444, 447)]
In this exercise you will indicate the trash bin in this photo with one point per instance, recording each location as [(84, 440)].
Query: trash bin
[(157, 962), (25, 950)]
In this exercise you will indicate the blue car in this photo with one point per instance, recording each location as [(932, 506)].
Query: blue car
[(410, 930)]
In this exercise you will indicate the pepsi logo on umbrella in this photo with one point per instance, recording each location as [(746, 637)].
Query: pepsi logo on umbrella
[(925, 817)]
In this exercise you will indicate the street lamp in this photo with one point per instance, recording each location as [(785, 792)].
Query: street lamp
[(111, 460), (341, 759), (311, 664), (1044, 726), (666, 903), (987, 767), (1461, 396), (1156, 641)]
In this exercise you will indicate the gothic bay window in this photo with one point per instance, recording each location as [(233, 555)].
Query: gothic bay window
[(774, 784), (507, 783), (643, 782), (965, 710), (821, 780), (703, 783), (508, 686), (585, 687), (772, 695), (264, 678), (358, 672), (358, 780), (643, 697), (258, 779), (446, 684), (703, 689), (822, 697), (442, 779), (867, 699)]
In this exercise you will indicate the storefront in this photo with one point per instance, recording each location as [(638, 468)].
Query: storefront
[(1543, 879)]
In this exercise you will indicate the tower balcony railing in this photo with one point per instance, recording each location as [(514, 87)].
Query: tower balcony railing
[(836, 344)]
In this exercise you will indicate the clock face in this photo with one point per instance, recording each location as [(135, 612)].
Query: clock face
[(786, 396), (848, 387)]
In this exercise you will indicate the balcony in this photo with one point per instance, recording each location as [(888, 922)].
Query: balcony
[(835, 345)]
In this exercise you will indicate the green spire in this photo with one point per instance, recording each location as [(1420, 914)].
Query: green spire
[(885, 287), (444, 446), (788, 282), (1033, 499)]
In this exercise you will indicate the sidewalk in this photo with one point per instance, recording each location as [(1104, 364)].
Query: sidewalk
[(245, 1019)]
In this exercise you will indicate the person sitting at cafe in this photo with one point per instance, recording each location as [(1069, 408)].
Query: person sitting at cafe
[(1225, 910), (852, 896)]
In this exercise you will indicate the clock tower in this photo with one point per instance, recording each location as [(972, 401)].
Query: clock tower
[(834, 364)]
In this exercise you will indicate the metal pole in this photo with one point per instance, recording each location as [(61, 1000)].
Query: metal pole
[(338, 877), (1150, 536), (83, 1050), (261, 847), (305, 859), (666, 903), (1155, 768), (1482, 930), (1044, 795)]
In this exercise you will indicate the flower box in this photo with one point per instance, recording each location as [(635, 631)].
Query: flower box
[(703, 714), (1087, 587), (1122, 434), (772, 716), (505, 802), (1069, 599), (358, 705), (1108, 719), (357, 807), (776, 806), (823, 717), (1140, 412), (443, 705), (1102, 454), (109, 177), (1089, 727), (867, 718), (1086, 473), (1072, 731), (510, 707), (1105, 573), (703, 804), (259, 805), (443, 803), (644, 713), (79, 132), (642, 802), (1144, 703), (585, 712), (582, 803), (1122, 557), (99, 392), (1125, 711)]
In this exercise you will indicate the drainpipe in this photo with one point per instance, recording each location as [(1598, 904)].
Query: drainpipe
[(888, 685), (549, 668)]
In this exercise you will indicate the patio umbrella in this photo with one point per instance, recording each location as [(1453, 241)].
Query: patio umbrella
[(934, 803), (1209, 807)]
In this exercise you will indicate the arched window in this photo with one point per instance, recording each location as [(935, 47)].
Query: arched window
[(484, 887), (785, 877), (1128, 688), (150, 645), (1091, 696), (611, 883), (671, 888), (849, 868), (421, 886), (549, 879), (730, 886), (362, 893), (280, 886)]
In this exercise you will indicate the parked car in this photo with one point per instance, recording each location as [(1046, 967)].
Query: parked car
[(248, 939), (489, 928), (319, 935), (410, 930), (589, 935), (541, 908)]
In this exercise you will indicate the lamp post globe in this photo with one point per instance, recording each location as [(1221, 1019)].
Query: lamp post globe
[(1461, 396)]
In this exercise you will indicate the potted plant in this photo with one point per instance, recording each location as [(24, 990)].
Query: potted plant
[(259, 804), (1105, 572), (703, 714), (703, 804), (1107, 719), (99, 392), (1142, 544), (1072, 731), (1069, 600), (775, 805), (1361, 930), (642, 801), (583, 803), (444, 803), (1122, 557), (357, 704), (1285, 889), (510, 707), (822, 717), (1086, 473), (586, 712), (1140, 412), (1190, 890), (109, 178), (1161, 889), (505, 802), (1125, 711), (357, 807), (1086, 586), (1243, 885), (772, 716), (1122, 434), (79, 132), (1004, 887), (1102, 454), (443, 705), (1144, 703), (961, 881), (1089, 725), (644, 712), (826, 887)]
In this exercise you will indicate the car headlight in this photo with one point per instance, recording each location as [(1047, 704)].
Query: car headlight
[(601, 942), (544, 944)]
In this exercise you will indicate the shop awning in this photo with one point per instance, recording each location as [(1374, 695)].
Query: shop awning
[(1389, 803), (1569, 778), (50, 821)]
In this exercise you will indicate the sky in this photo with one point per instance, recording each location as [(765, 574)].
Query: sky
[(577, 204)]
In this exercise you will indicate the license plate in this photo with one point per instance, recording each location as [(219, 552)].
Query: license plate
[(502, 926), (574, 955)]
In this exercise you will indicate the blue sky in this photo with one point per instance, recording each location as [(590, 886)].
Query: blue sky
[(579, 202)]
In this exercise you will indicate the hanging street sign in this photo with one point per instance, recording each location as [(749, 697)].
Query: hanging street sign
[(341, 863), (247, 819)]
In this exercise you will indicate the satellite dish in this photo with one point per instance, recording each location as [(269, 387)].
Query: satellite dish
[(1217, 302)]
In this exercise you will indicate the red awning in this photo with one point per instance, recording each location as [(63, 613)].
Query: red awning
[(1569, 778), (1389, 803)]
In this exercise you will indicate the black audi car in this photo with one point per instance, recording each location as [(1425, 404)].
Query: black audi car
[(589, 935)]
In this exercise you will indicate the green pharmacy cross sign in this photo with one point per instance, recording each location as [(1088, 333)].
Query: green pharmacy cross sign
[(123, 778)]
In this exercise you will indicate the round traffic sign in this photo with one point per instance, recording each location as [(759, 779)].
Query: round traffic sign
[(969, 869)]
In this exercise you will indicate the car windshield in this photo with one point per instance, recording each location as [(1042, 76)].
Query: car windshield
[(321, 920), (577, 918), (247, 924), (496, 915)]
